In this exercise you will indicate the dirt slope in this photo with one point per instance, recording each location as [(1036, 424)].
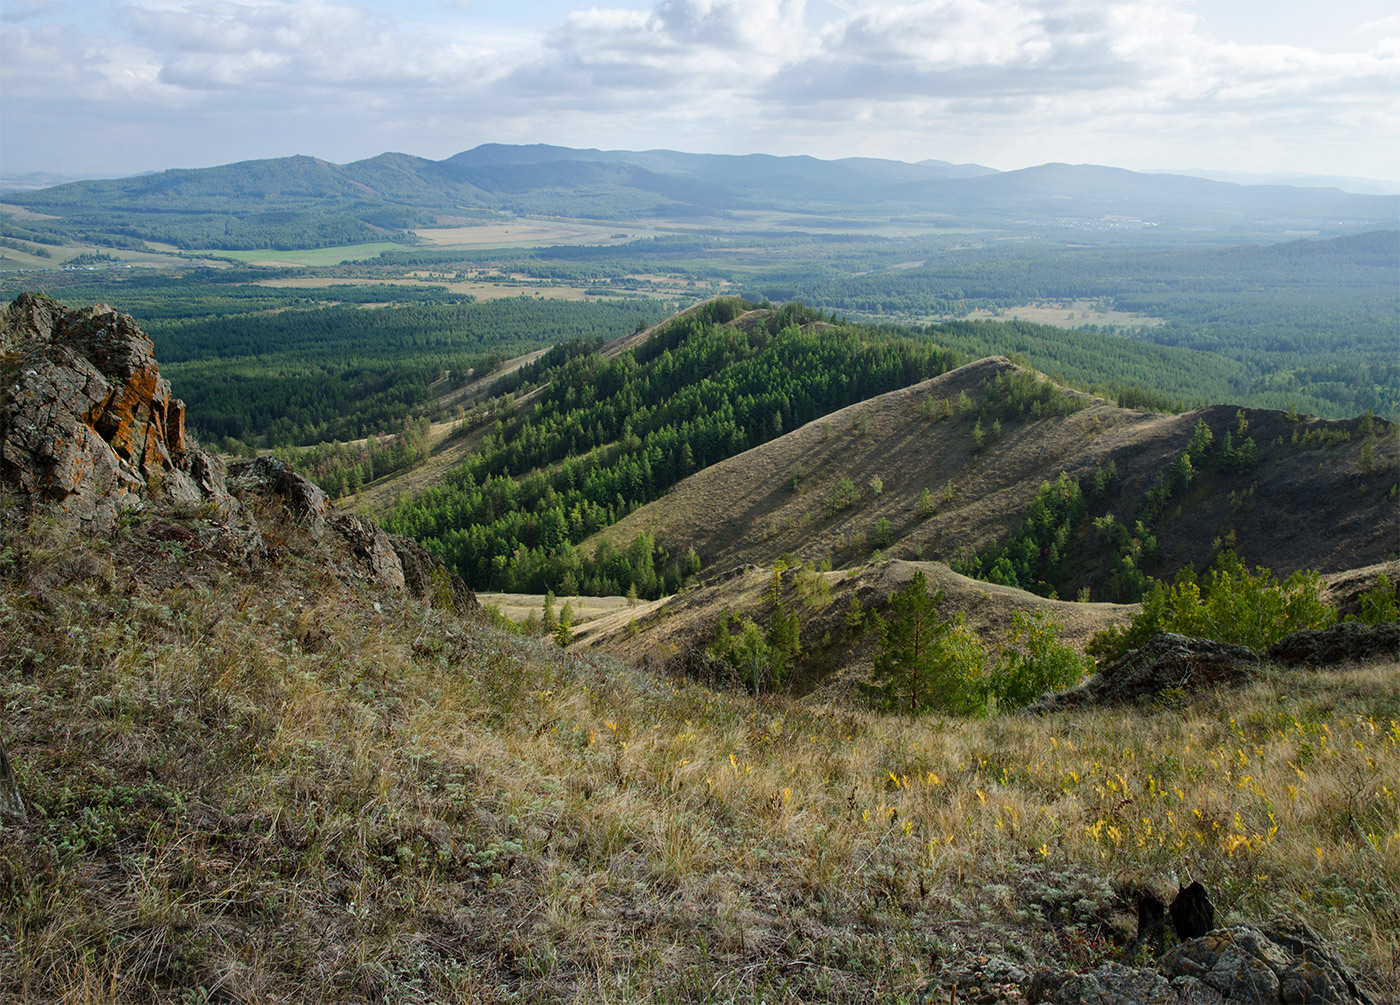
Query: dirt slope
[(1318, 503)]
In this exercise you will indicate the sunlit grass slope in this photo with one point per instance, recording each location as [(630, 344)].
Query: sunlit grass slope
[(273, 785)]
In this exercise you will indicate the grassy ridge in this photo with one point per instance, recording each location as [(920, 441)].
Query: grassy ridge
[(295, 789)]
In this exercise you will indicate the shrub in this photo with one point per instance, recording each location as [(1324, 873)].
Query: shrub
[(1378, 604), (843, 494), (1036, 662), (926, 663), (1231, 605)]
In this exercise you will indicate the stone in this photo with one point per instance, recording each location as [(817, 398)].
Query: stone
[(88, 427), (373, 547), (1114, 984), (1349, 642), (274, 480), (1167, 661), (1193, 991), (426, 578), (1281, 962)]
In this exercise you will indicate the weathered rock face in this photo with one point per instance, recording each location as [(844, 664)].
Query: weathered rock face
[(1350, 642), (1281, 963), (1168, 661), (88, 427), (427, 578), (274, 480)]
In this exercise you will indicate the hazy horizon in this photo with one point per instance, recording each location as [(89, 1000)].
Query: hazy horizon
[(1242, 87)]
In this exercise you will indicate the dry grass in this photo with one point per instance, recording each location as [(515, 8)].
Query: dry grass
[(256, 786), (1300, 507)]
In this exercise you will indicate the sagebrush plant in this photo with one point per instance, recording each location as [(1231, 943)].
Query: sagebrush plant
[(256, 785)]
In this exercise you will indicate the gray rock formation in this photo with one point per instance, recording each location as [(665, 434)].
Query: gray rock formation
[(1112, 984), (1350, 642), (1168, 661), (274, 481), (88, 427), (1281, 963)]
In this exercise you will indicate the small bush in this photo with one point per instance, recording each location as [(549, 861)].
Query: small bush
[(1231, 605), (1035, 663)]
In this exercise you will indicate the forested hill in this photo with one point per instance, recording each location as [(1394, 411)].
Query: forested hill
[(606, 434), (305, 202)]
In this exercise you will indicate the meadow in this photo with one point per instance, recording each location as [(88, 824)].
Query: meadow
[(291, 788)]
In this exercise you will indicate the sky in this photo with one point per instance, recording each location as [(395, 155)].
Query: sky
[(1259, 86)]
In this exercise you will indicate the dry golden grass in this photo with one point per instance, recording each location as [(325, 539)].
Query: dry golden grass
[(254, 785), (746, 508)]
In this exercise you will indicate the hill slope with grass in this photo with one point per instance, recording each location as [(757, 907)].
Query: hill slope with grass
[(254, 750), (967, 468), (275, 781)]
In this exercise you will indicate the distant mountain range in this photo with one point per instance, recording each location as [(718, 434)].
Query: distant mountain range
[(307, 202)]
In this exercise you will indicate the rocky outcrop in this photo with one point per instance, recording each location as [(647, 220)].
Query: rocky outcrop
[(88, 427), (1167, 662), (1108, 984), (1350, 642), (275, 482), (425, 576), (1282, 963), (398, 563)]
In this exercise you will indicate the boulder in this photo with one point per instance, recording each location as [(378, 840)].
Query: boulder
[(1281, 963), (273, 480), (372, 547), (428, 579), (88, 427), (1349, 642), (1168, 662)]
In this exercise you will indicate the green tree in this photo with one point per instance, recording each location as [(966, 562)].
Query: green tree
[(1035, 662), (564, 630), (1231, 605), (926, 662)]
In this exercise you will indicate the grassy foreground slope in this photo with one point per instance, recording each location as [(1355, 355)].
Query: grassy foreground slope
[(271, 783)]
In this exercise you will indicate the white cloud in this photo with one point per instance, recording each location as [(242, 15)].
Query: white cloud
[(1005, 81)]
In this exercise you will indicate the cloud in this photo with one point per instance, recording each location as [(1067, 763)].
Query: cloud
[(1020, 80)]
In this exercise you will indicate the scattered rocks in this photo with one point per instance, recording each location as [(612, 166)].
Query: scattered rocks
[(1168, 661), (1282, 963), (985, 979), (1349, 642)]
